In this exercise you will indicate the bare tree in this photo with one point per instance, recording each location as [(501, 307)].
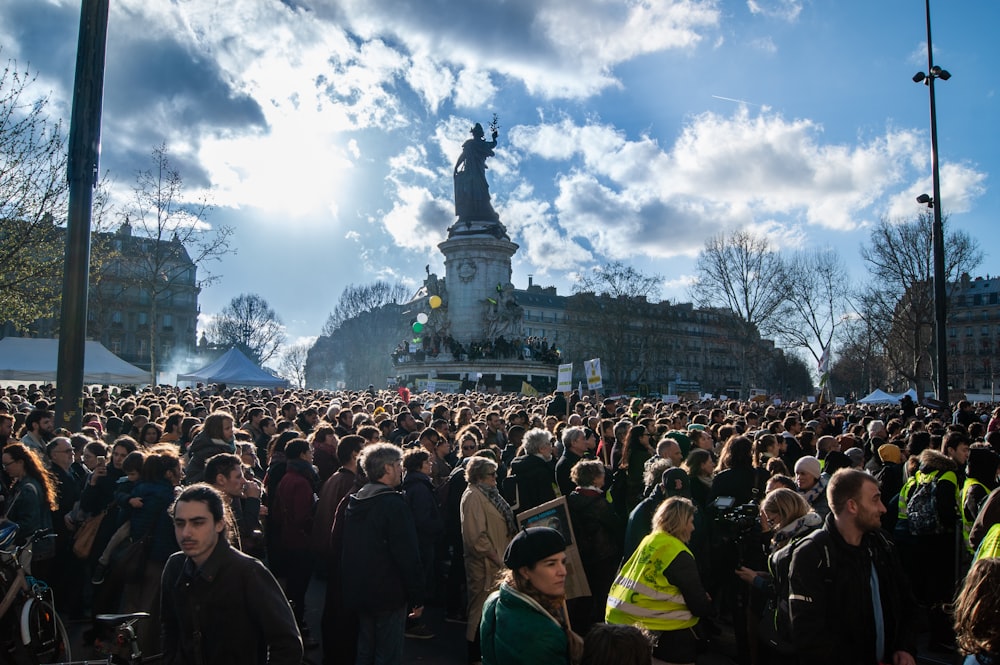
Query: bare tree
[(33, 201), (293, 364), (356, 299), (742, 274), (176, 241), (611, 301), (899, 301), (810, 316), (249, 324)]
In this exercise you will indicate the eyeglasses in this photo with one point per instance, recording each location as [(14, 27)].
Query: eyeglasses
[(6, 464), (469, 447)]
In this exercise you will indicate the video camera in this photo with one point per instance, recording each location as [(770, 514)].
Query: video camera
[(738, 522)]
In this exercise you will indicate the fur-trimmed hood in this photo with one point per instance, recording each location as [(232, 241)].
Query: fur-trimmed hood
[(932, 460)]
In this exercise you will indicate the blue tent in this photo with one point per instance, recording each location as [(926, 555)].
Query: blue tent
[(234, 369)]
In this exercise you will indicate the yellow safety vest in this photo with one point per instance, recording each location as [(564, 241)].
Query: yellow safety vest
[(967, 523), (990, 547), (921, 477), (642, 595)]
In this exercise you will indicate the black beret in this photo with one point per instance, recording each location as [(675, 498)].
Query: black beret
[(532, 545)]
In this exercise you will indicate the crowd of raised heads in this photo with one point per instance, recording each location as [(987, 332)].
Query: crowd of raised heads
[(402, 501)]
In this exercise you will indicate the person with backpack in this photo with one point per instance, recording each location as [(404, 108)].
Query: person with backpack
[(848, 600), (926, 536), (789, 519)]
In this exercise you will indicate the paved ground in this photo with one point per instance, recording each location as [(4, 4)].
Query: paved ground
[(448, 646)]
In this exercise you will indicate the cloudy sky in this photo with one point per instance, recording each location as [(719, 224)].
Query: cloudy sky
[(326, 130)]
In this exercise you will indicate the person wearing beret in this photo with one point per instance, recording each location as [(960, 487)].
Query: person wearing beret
[(524, 622)]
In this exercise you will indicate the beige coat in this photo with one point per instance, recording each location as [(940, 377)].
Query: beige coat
[(484, 530)]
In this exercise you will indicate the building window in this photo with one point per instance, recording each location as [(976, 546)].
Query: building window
[(968, 331), (116, 346), (144, 319), (141, 347), (977, 299), (168, 321), (952, 332), (116, 317)]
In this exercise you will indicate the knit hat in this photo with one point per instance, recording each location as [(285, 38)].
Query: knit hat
[(857, 456), (890, 452), (676, 482), (532, 545), (808, 464)]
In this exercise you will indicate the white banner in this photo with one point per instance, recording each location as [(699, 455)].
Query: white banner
[(564, 383), (592, 368)]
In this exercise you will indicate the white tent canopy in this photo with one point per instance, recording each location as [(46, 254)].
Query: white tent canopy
[(35, 361), (234, 369), (879, 397)]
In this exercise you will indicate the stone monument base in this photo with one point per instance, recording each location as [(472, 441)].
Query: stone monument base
[(502, 375)]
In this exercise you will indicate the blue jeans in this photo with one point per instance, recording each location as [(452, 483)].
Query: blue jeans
[(380, 637)]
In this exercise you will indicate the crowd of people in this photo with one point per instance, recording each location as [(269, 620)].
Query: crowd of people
[(819, 534), (497, 348)]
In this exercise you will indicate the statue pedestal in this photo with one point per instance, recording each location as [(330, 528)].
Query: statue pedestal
[(477, 259)]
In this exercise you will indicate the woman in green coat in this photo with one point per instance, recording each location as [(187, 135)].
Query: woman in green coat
[(531, 602)]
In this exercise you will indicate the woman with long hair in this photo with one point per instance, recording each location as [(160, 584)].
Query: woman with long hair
[(737, 476), (977, 631), (31, 501), (524, 622), (659, 587), (637, 450), (216, 436), (700, 468)]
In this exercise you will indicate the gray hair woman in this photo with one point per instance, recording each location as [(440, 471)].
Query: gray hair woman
[(487, 527)]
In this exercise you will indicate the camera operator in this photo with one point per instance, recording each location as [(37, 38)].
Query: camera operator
[(737, 538), (788, 518)]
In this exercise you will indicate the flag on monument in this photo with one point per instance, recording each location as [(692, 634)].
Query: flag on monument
[(564, 383), (592, 368)]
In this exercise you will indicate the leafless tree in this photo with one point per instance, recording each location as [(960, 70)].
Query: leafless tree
[(817, 303), (178, 241), (741, 273), (610, 301), (249, 323), (899, 301), (356, 299), (293, 364)]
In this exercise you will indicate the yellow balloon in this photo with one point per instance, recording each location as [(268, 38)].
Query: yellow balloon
[(435, 302)]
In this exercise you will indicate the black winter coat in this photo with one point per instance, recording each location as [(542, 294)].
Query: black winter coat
[(380, 560), (535, 481), (830, 599)]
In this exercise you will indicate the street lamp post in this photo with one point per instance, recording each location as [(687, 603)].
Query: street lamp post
[(940, 292)]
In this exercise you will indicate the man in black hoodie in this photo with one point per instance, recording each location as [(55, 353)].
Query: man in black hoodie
[(380, 565)]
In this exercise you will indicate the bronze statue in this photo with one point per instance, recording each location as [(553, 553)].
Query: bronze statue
[(472, 192)]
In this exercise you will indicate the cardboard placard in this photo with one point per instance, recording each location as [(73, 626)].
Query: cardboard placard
[(555, 514)]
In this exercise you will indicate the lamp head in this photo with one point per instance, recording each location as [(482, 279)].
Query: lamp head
[(924, 199), (918, 77)]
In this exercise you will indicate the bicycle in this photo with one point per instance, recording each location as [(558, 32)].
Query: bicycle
[(30, 629)]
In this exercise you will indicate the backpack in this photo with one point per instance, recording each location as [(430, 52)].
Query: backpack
[(921, 508)]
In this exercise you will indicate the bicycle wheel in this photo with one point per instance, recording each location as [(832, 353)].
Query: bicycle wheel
[(49, 640)]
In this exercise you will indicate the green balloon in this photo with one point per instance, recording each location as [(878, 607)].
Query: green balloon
[(417, 327)]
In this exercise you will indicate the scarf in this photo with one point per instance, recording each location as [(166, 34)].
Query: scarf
[(493, 494), (818, 489), (792, 530)]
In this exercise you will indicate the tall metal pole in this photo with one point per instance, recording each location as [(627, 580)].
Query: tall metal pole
[(82, 173), (940, 290)]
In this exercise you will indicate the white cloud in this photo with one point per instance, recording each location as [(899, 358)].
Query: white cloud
[(765, 44), (785, 10), (352, 235), (626, 197), (560, 48)]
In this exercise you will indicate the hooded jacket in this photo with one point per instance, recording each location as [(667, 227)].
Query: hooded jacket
[(380, 564)]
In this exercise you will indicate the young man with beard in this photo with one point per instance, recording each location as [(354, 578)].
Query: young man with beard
[(848, 597), (219, 605), (39, 428)]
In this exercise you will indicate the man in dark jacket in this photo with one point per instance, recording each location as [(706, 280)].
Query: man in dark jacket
[(380, 566), (574, 448), (848, 597), (217, 604)]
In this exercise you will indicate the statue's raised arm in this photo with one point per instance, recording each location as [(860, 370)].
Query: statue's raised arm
[(472, 192)]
